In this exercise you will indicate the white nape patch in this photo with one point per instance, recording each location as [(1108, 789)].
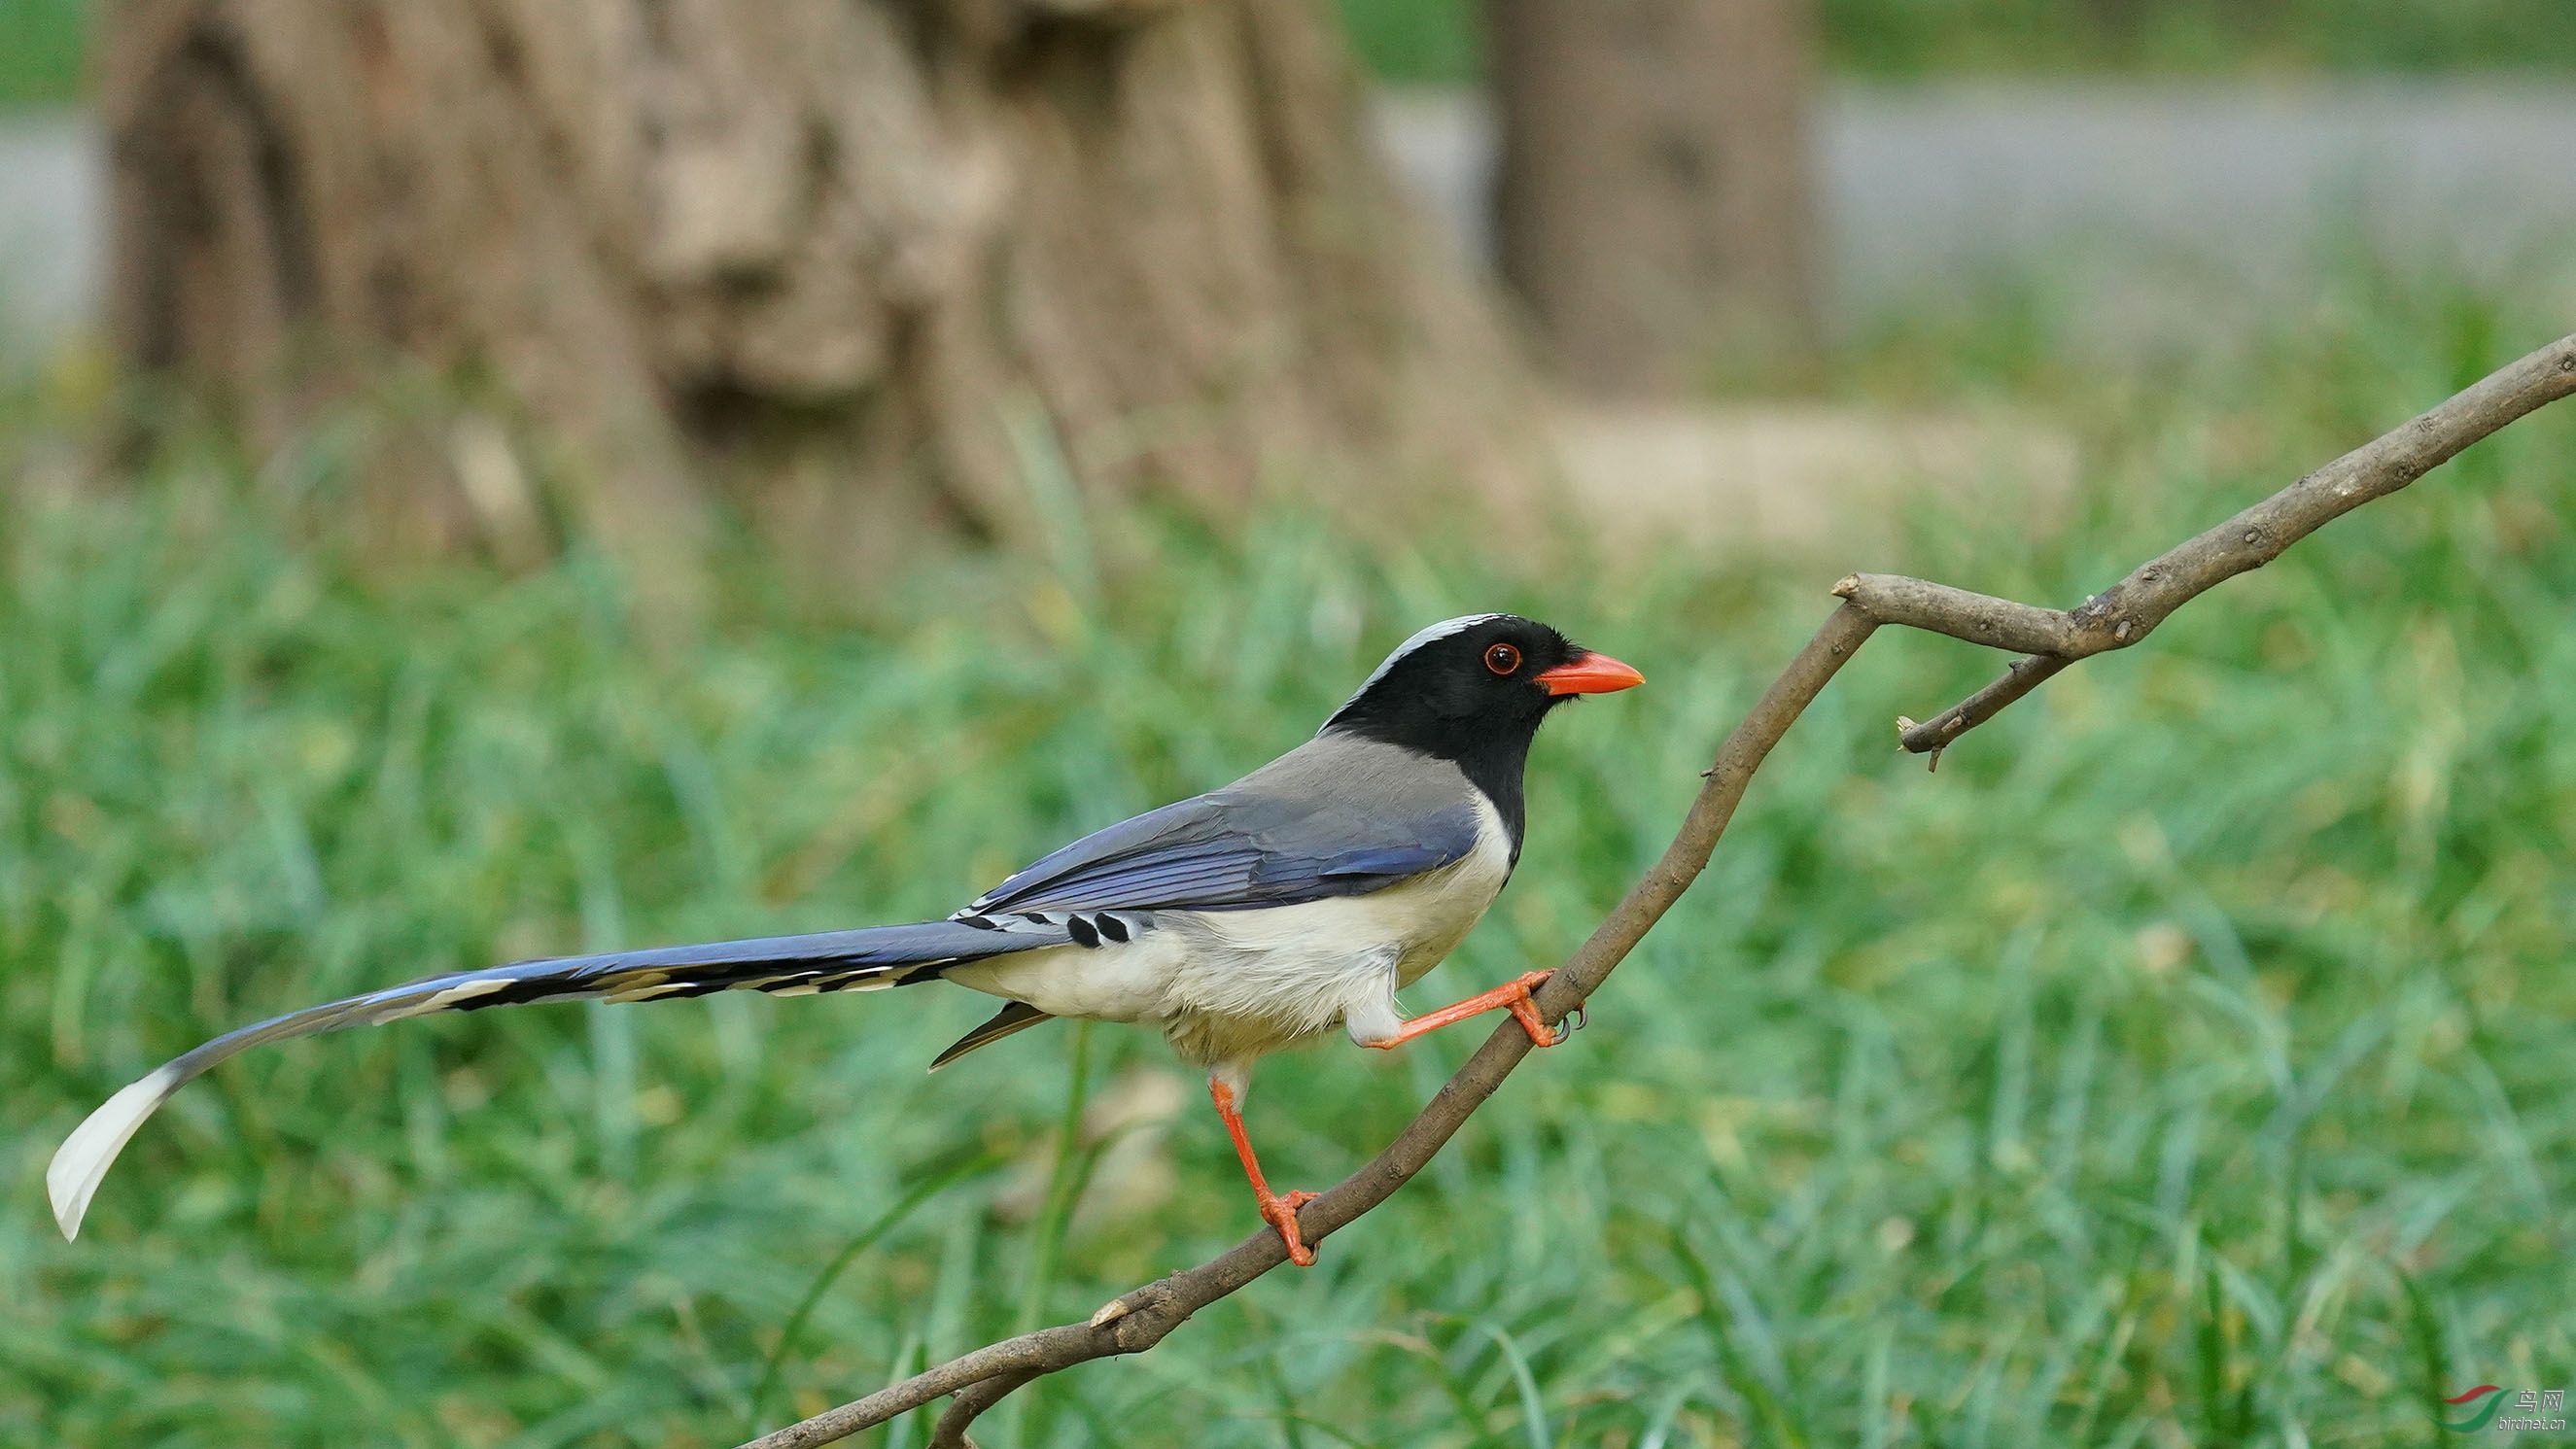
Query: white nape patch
[(1441, 630), (81, 1163)]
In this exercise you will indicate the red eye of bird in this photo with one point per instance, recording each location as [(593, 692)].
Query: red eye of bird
[(1502, 659)]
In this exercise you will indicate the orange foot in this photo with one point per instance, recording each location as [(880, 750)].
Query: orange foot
[(1281, 1213), (1512, 995), (1525, 1011)]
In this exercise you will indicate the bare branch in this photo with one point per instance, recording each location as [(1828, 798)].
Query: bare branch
[(2131, 609), (971, 1401), (1977, 618), (2019, 678), (1140, 1318)]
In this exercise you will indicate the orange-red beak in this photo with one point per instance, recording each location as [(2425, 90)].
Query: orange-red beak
[(1591, 674)]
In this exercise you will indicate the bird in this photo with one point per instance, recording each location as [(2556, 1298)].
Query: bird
[(1241, 922)]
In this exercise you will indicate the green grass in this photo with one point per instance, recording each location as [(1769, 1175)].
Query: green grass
[(2186, 1061), (40, 51), (1908, 38), (1418, 41), (1439, 40)]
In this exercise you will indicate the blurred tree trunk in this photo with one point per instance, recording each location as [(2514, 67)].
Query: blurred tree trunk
[(1654, 208), (877, 261)]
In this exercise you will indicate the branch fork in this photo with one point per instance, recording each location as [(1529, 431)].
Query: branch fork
[(2128, 611), (2047, 639)]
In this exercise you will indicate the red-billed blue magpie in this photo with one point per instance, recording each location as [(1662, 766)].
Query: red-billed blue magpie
[(1250, 919)]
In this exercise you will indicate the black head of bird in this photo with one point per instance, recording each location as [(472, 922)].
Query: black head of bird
[(1300, 898), (1473, 692)]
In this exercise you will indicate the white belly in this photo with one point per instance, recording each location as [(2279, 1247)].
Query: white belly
[(1233, 985), (1113, 981)]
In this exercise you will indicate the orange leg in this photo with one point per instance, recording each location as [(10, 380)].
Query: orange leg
[(1279, 1212), (1513, 995)]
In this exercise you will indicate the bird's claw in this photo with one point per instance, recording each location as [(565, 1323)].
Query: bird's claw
[(1525, 1011), (1281, 1213)]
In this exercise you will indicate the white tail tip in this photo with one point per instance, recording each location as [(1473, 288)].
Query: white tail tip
[(81, 1163)]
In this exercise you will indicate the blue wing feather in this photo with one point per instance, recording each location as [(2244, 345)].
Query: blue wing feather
[(1231, 850)]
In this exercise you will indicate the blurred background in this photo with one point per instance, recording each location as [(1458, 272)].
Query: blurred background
[(489, 482)]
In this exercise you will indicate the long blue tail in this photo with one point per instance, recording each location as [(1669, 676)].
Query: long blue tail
[(863, 960)]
